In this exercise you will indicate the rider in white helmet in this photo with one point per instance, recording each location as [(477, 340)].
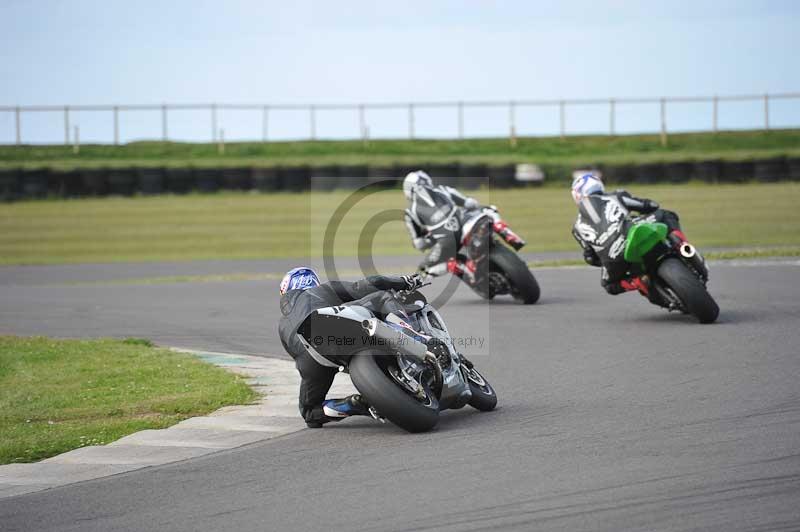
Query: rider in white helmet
[(428, 206), (600, 230)]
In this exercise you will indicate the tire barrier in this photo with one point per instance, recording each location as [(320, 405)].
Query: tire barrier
[(770, 170), (502, 176), (237, 179), (324, 178), (16, 183), (207, 179), (352, 177), (34, 183), (9, 184), (151, 180), (121, 182), (708, 171), (647, 174), (266, 179), (94, 182), (736, 171), (471, 176), (295, 178), (179, 180), (793, 168), (383, 176), (679, 172), (443, 174)]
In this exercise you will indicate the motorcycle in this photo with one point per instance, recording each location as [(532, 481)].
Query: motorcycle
[(485, 264), (677, 272), (407, 372)]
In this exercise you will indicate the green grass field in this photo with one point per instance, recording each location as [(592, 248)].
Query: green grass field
[(542, 150), (58, 395), (244, 225)]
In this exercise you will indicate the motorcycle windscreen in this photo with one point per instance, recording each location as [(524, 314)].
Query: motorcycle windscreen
[(642, 238)]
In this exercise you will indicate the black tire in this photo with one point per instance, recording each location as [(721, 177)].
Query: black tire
[(689, 289), (388, 398), (484, 397), (523, 284)]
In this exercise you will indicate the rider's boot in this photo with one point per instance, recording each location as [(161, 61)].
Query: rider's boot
[(463, 270), (338, 409), (513, 240)]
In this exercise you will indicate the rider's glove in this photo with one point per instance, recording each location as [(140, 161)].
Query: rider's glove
[(412, 281), (650, 205)]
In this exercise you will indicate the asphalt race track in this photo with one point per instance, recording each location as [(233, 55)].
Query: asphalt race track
[(614, 415)]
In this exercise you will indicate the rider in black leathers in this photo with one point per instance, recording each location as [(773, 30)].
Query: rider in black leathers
[(429, 209), (600, 228), (316, 379)]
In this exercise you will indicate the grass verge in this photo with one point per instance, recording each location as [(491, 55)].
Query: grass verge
[(258, 226), (58, 395), (621, 149)]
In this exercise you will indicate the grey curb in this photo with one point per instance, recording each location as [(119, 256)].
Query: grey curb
[(275, 414)]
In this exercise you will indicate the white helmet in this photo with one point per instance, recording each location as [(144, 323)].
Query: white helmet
[(585, 185), (414, 180)]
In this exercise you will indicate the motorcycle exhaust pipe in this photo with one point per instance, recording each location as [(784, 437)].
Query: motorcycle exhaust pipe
[(687, 250)]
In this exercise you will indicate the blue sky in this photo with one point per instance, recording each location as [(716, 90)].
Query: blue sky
[(107, 52)]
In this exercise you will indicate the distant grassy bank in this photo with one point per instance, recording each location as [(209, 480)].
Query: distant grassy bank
[(58, 395), (248, 226), (574, 150)]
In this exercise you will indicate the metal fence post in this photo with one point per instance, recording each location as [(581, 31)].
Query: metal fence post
[(164, 122), (766, 112), (663, 122), (66, 125), (512, 119), (18, 125), (611, 117), (265, 123), (362, 126), (213, 122), (312, 122), (561, 118), (460, 120), (411, 121), (116, 125), (715, 125)]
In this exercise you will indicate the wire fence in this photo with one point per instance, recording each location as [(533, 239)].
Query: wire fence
[(510, 108)]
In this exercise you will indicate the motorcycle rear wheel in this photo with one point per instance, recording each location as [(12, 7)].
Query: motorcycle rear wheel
[(523, 284), (386, 396), (689, 289)]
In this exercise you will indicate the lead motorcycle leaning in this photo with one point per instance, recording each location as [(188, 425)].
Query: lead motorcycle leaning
[(406, 375)]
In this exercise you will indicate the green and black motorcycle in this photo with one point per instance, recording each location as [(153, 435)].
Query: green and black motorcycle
[(677, 272)]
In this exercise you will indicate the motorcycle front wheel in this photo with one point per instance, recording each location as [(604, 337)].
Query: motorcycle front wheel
[(689, 289), (484, 397), (388, 398)]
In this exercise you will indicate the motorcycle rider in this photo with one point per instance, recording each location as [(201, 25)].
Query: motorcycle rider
[(601, 218), (429, 208), (301, 294)]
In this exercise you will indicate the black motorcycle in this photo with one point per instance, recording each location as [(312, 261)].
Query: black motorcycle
[(488, 266)]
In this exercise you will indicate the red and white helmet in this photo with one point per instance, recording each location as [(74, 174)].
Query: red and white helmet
[(586, 185)]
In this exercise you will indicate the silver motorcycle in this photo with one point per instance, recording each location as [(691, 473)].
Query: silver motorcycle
[(407, 372)]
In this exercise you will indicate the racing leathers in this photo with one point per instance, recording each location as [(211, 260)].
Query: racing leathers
[(435, 213), (601, 228), (297, 305)]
